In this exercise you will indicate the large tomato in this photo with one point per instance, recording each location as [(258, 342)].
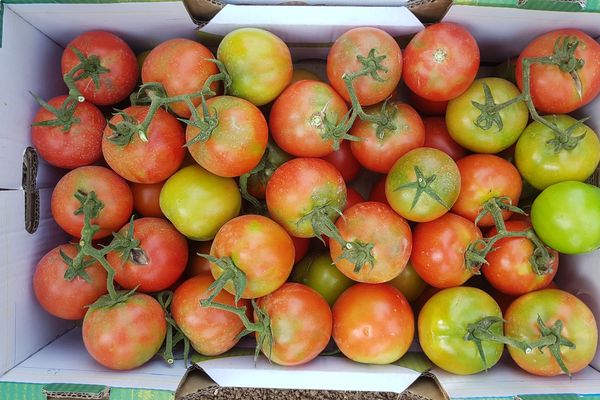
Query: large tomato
[(437, 136), (146, 199), (441, 61), (486, 131), (373, 324), (554, 88), (237, 143), (140, 161), (544, 157), (108, 53), (344, 161), (354, 51), (111, 190), (67, 297), (72, 143), (192, 186)]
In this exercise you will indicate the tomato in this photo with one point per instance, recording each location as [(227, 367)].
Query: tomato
[(146, 199), (211, 331), (427, 107), (423, 184), (344, 161), (64, 145), (439, 248), (150, 161), (543, 157), (300, 74), (345, 57), (441, 61), (483, 177), (553, 88), (303, 190), (352, 198), (302, 118), (157, 262), (409, 283), (259, 63), (486, 132), (192, 186), (388, 234), (301, 247), (274, 157), (257, 246), (379, 151), (566, 216), (318, 272), (237, 143), (198, 265), (443, 326), (111, 190), (530, 315), (437, 136), (182, 66), (67, 298), (108, 51), (509, 267), (378, 191), (373, 323)]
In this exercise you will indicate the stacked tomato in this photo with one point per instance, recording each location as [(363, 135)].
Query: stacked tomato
[(219, 173)]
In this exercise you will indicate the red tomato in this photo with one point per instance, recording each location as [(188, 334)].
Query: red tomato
[(427, 107), (74, 147), (106, 50), (437, 136), (301, 247), (378, 191), (182, 67), (379, 152), (146, 199), (373, 323), (344, 161), (441, 61), (66, 298), (344, 59), (198, 265), (352, 198), (485, 176), (110, 189)]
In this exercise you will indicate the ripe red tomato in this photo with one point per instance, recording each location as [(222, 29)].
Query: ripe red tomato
[(146, 199), (344, 161), (352, 198), (553, 88), (182, 67), (378, 152), (106, 50), (237, 143), (345, 57), (301, 247), (66, 298), (485, 176), (439, 248), (373, 323), (110, 189), (441, 61), (437, 136), (126, 335), (74, 147), (302, 118), (378, 191), (427, 107), (211, 331)]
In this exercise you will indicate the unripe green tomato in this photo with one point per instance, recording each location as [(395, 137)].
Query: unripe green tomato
[(409, 283)]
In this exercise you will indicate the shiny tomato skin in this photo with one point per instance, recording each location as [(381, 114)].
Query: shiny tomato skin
[(441, 61), (439, 247), (484, 176), (378, 224), (342, 59), (115, 55), (437, 136), (238, 142), (146, 162), (344, 161), (552, 90), (60, 297), (378, 154), (427, 107), (182, 66), (297, 118), (551, 305), (373, 324), (211, 331), (126, 335), (146, 199), (509, 268), (110, 189), (409, 283), (79, 146)]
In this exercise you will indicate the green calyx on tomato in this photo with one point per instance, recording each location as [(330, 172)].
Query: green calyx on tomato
[(553, 339), (422, 185), (231, 273), (88, 67)]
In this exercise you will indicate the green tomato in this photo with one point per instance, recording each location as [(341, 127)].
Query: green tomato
[(544, 159), (409, 283), (198, 203), (566, 216), (258, 62), (318, 272), (464, 126)]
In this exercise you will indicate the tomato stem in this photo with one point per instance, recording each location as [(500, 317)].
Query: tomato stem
[(552, 338), (231, 273), (64, 114), (165, 299), (422, 184), (88, 67)]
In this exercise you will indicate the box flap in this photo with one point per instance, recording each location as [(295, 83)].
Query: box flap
[(552, 5)]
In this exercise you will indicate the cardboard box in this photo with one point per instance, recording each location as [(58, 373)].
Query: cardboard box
[(36, 349)]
